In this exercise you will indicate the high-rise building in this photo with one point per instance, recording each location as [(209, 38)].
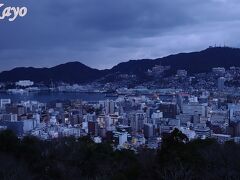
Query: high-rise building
[(122, 138), (169, 110), (137, 120), (220, 83), (202, 131), (93, 128), (4, 102), (194, 108), (234, 112), (156, 117), (109, 106), (148, 130)]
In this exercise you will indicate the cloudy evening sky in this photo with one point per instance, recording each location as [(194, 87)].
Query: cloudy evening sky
[(102, 33)]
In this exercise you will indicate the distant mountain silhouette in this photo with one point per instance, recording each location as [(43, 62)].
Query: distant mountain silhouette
[(203, 61), (69, 72), (194, 62)]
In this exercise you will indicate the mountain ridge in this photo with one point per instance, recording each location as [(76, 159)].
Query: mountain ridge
[(77, 72)]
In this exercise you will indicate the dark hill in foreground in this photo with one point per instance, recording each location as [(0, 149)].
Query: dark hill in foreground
[(68, 158)]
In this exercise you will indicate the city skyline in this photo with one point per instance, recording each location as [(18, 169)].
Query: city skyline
[(129, 89)]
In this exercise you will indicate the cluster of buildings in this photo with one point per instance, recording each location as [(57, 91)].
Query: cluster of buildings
[(128, 121), (200, 106)]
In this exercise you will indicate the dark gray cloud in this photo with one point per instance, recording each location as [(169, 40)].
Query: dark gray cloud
[(101, 33)]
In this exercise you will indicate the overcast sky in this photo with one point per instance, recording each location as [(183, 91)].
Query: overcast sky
[(102, 33)]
